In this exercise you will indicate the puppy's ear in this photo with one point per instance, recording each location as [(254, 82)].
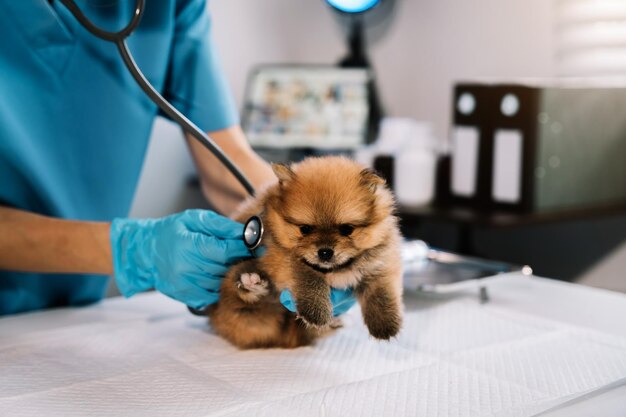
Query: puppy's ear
[(371, 180), (283, 172)]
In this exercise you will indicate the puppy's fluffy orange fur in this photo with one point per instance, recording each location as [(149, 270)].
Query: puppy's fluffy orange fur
[(328, 223)]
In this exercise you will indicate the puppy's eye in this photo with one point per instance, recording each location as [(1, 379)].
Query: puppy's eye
[(306, 229), (346, 229)]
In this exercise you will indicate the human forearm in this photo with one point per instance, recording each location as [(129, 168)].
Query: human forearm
[(218, 185), (34, 243)]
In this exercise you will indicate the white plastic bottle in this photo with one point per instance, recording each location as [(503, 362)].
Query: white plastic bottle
[(415, 166)]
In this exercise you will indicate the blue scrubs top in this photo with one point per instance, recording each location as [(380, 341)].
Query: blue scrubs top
[(74, 126)]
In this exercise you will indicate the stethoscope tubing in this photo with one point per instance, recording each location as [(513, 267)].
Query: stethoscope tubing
[(119, 39)]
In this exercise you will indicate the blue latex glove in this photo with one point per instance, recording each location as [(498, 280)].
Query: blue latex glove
[(342, 300), (184, 256)]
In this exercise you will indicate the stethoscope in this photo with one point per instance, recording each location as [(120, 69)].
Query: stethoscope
[(253, 229)]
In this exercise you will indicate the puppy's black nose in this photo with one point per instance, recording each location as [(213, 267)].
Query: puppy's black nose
[(325, 254)]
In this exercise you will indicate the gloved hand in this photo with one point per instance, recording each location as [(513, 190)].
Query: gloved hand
[(342, 300), (184, 256)]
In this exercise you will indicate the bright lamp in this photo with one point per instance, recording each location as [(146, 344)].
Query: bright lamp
[(353, 6)]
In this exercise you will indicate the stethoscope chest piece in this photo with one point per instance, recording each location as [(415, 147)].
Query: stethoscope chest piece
[(253, 233)]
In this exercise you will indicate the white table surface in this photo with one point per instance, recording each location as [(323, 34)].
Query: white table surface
[(597, 309)]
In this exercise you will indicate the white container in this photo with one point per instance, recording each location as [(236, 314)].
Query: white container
[(415, 178), (415, 163)]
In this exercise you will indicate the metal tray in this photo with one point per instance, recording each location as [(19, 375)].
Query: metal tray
[(431, 270)]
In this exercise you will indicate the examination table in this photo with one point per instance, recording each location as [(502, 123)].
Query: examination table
[(537, 347)]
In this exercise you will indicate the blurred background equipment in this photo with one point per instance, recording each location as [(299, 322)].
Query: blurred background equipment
[(536, 147), (434, 271), (354, 12), (357, 14), (295, 111), (405, 154), (317, 107)]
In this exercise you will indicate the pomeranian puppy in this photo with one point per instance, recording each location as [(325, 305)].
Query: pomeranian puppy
[(328, 223)]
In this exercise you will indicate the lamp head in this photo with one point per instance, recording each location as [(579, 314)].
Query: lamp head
[(353, 6)]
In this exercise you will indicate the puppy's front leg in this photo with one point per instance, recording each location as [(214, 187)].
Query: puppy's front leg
[(312, 296), (381, 306)]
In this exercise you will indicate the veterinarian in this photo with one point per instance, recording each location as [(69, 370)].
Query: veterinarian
[(74, 128)]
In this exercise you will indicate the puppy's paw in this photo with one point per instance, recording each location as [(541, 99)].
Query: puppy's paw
[(316, 315), (251, 282), (252, 287), (384, 328), (382, 314)]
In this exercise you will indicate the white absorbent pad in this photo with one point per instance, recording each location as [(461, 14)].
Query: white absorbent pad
[(454, 357)]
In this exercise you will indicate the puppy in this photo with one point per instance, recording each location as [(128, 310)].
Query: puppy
[(328, 223)]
